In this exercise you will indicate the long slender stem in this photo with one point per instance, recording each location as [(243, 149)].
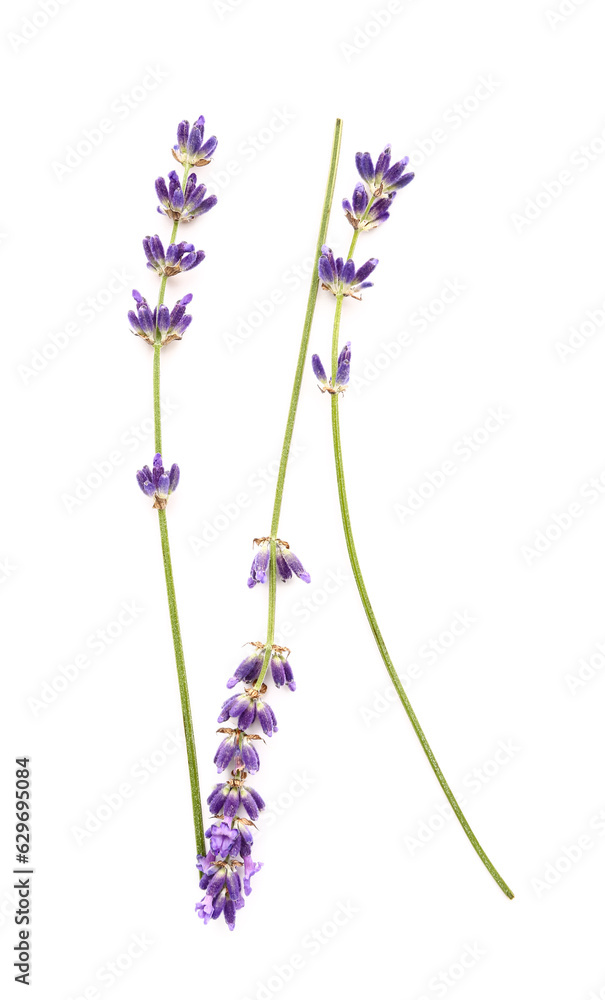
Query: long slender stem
[(183, 688), (194, 781), (365, 600), (298, 377)]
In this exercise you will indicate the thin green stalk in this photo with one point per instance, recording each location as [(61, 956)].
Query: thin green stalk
[(194, 781), (298, 377), (365, 600)]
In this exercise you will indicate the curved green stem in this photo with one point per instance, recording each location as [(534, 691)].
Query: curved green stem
[(365, 600), (196, 802), (298, 377)]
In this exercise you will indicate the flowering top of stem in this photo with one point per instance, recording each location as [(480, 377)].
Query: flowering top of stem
[(383, 178), (191, 148), (342, 279)]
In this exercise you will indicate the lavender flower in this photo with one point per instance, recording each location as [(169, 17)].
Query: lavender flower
[(191, 148), (228, 797), (237, 747), (178, 257), (248, 706), (342, 279), (383, 178), (157, 483), (249, 668), (183, 205), (342, 371), (147, 323), (223, 888), (360, 216), (234, 839), (281, 671), (287, 563)]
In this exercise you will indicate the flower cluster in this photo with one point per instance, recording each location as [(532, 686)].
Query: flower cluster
[(342, 371), (158, 483), (342, 278), (287, 563), (159, 325), (230, 835), (369, 207), (183, 204)]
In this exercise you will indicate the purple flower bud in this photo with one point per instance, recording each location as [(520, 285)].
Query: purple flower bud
[(341, 278), (190, 146), (157, 483), (178, 256), (383, 178), (286, 563), (183, 205)]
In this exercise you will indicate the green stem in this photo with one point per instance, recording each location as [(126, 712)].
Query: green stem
[(198, 821), (365, 600), (298, 377), (183, 689)]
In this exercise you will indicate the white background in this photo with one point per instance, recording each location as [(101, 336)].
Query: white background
[(485, 213)]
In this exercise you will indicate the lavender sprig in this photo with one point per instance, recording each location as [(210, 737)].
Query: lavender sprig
[(231, 838), (158, 327), (369, 209)]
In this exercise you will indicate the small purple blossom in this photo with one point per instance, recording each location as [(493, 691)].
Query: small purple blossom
[(249, 669), (247, 707), (250, 868), (227, 797), (341, 278), (178, 257), (360, 216), (148, 323), (183, 205), (223, 887), (237, 750), (342, 371), (383, 178), (286, 562), (281, 671), (191, 148), (222, 839), (158, 483)]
